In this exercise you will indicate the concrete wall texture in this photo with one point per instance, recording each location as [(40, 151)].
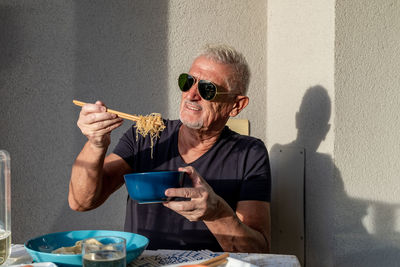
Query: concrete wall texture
[(333, 88), (367, 97), (300, 110), (324, 77)]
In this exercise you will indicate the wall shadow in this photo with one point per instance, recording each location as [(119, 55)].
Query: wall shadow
[(33, 47), (10, 45), (121, 59), (334, 230)]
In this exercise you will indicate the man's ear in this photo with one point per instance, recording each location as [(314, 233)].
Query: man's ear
[(240, 103)]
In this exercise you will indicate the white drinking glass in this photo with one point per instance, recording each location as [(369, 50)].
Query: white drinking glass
[(5, 206), (104, 251)]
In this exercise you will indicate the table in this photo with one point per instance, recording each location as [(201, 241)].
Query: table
[(156, 258)]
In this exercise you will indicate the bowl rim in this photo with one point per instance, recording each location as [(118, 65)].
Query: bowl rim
[(76, 231), (149, 173)]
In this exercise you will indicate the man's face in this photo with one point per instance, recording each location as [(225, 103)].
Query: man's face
[(197, 113)]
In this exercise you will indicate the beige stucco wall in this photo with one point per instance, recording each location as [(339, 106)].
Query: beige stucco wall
[(367, 124), (342, 54), (300, 108), (242, 24)]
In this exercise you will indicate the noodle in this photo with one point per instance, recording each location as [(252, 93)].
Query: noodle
[(77, 249), (151, 124)]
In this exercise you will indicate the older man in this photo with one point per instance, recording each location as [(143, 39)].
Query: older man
[(229, 190)]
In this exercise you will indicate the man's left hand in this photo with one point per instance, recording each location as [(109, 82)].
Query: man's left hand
[(203, 204)]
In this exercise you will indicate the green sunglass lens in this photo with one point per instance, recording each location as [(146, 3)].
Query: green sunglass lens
[(207, 90), (185, 82)]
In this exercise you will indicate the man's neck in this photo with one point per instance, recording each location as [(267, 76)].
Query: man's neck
[(192, 144)]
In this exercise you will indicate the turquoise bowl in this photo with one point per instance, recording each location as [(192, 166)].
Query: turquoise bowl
[(149, 187), (40, 247)]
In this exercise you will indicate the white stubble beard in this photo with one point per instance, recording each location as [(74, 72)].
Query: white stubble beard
[(193, 125)]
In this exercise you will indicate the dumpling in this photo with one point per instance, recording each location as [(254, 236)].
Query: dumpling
[(77, 249)]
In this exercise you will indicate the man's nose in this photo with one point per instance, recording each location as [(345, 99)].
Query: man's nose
[(193, 93)]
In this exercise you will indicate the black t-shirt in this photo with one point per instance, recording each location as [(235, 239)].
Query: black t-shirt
[(236, 167)]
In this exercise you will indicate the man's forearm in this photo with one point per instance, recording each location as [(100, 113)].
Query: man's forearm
[(235, 236), (86, 182)]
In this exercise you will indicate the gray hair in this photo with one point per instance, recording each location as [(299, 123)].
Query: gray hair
[(221, 53)]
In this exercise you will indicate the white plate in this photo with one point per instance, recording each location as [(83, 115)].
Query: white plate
[(232, 262)]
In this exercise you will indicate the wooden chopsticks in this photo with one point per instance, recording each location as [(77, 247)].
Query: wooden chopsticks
[(120, 114), (216, 261)]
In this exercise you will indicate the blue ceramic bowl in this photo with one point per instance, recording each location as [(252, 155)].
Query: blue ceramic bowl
[(149, 187), (40, 248)]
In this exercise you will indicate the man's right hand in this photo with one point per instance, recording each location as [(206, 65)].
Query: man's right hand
[(96, 124)]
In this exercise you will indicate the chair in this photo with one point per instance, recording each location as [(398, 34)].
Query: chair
[(240, 126)]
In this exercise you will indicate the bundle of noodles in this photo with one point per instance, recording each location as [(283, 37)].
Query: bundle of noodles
[(150, 124), (77, 249)]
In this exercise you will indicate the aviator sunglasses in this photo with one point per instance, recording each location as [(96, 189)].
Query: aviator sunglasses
[(207, 90)]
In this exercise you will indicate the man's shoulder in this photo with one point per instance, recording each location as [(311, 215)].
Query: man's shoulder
[(240, 137), (171, 122), (171, 125), (244, 142)]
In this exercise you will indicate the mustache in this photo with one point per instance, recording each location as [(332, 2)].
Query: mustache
[(192, 103)]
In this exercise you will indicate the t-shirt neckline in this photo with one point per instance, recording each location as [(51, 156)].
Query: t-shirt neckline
[(176, 136)]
